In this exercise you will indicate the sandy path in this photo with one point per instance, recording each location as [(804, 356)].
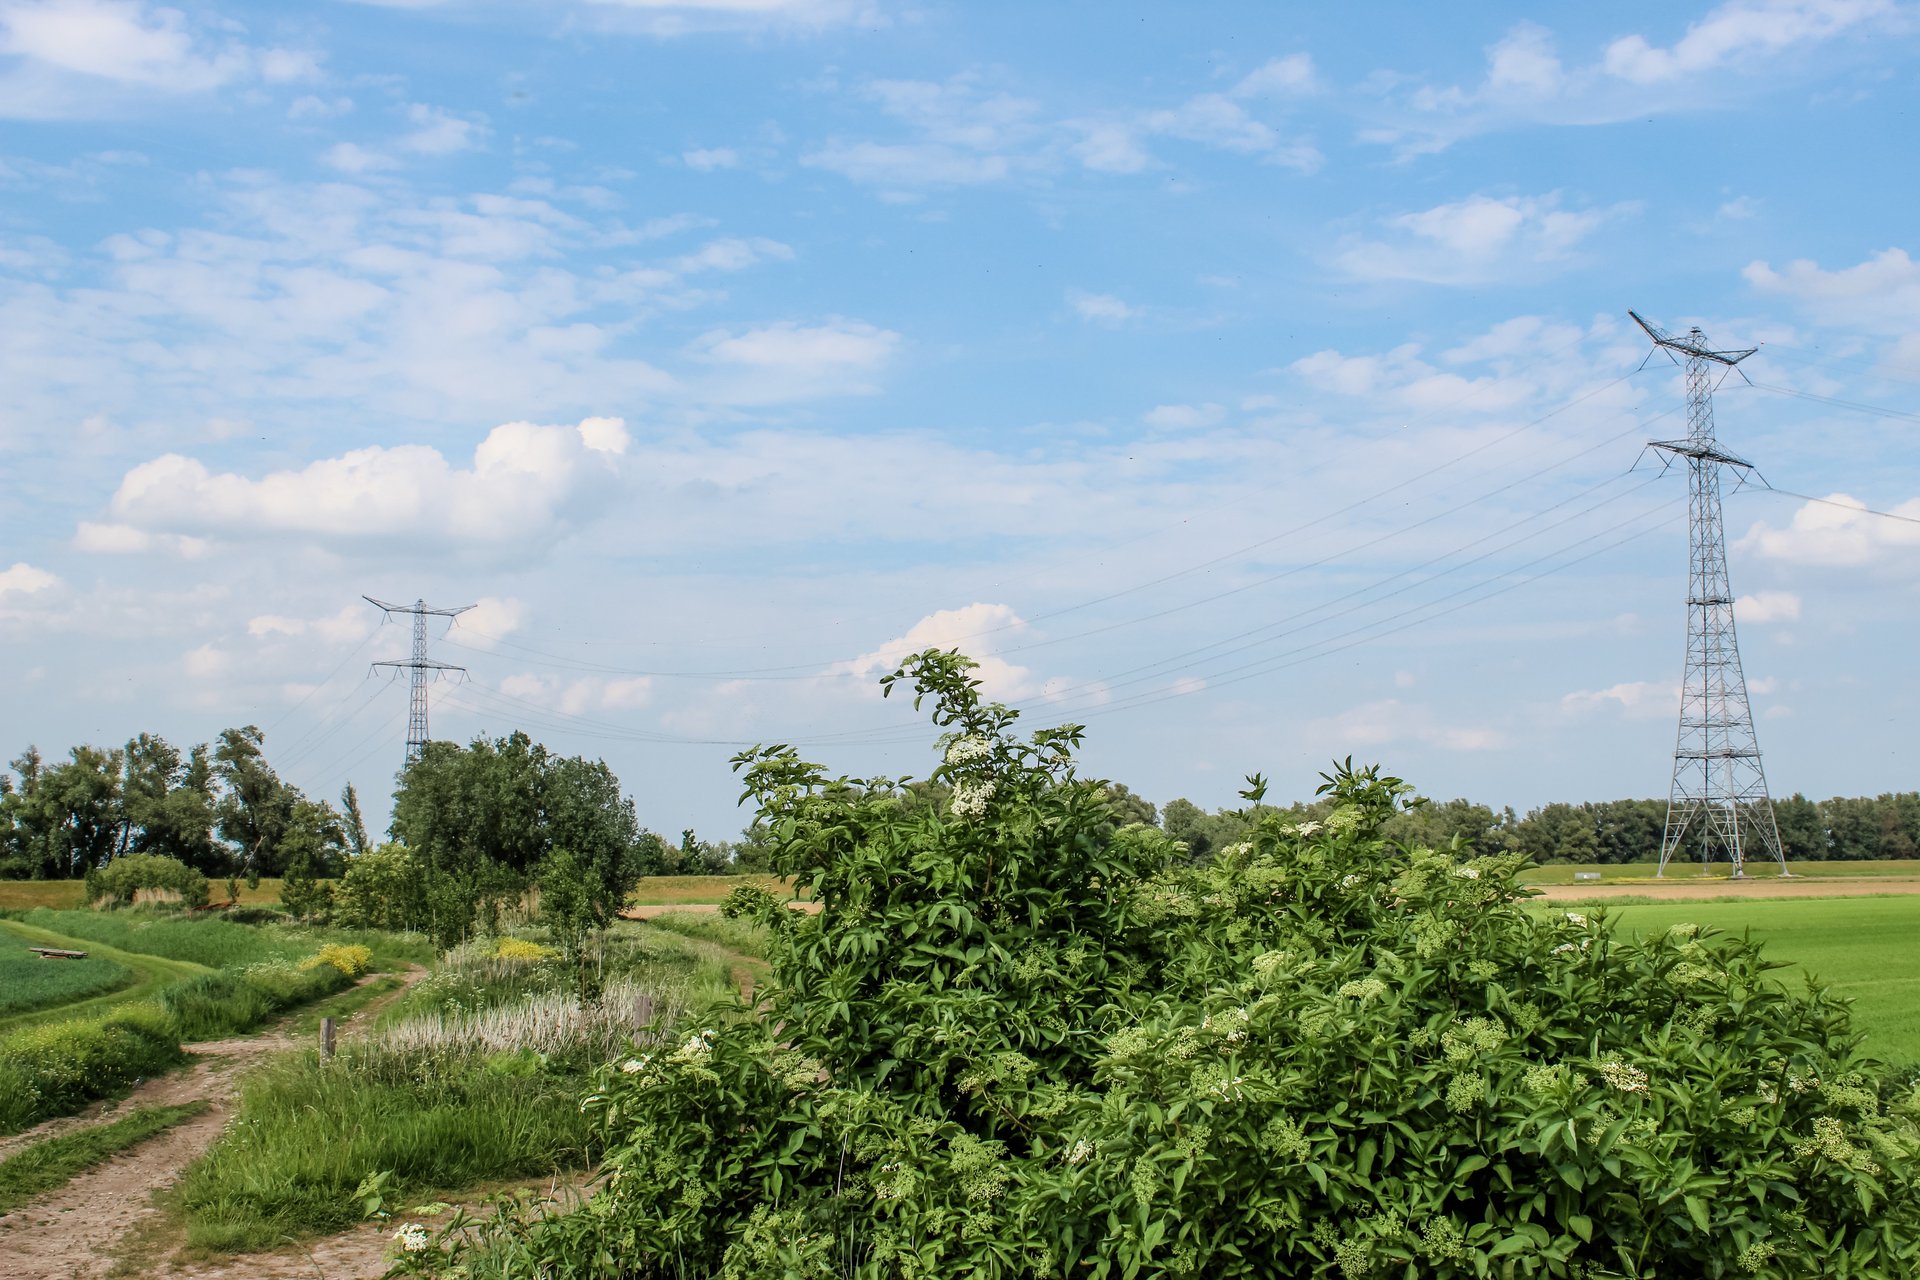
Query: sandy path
[(74, 1232), (1693, 888)]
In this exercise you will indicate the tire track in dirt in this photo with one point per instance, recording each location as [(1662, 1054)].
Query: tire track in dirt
[(74, 1232)]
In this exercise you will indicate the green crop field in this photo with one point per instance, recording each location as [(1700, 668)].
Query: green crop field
[(29, 982), (149, 974), (65, 895), (1867, 949)]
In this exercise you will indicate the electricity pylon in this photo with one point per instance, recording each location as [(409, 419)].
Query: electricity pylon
[(1719, 799), (420, 665)]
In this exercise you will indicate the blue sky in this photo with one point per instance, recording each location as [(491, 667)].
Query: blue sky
[(1253, 385)]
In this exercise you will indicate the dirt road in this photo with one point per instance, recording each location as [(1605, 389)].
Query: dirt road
[(78, 1231)]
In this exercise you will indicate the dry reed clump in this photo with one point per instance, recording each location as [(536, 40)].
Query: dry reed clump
[(553, 1024)]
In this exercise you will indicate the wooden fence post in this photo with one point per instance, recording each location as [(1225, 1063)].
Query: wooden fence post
[(326, 1037)]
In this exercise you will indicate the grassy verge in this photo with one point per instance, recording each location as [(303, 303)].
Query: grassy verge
[(1861, 948), (220, 944), (343, 1006), (53, 1163), (311, 1131), (59, 1067)]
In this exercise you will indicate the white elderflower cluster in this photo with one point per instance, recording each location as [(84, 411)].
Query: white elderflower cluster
[(1625, 1078), (970, 799), (969, 749), (1081, 1152), (1363, 989), (634, 1066), (413, 1238), (1467, 873), (1574, 917), (696, 1050)]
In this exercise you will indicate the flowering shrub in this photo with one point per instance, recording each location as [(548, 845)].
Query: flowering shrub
[(521, 949), (1019, 1039), (351, 959)]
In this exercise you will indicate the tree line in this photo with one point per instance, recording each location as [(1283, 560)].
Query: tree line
[(1844, 828)]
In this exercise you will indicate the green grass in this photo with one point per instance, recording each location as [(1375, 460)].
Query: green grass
[(343, 1006), (735, 935), (151, 974), (1861, 948), (1636, 872), (310, 1131), (45, 1166), (221, 944), (677, 890), (28, 982), (58, 1067)]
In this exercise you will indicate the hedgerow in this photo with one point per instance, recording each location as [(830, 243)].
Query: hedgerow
[(1019, 1040)]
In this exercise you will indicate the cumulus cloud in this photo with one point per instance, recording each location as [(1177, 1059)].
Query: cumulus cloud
[(526, 483), (1743, 30), (971, 630), (437, 132), (491, 619), (1838, 531), (125, 540), (1476, 240), (1883, 291), (24, 579), (707, 159), (77, 57), (674, 18), (1400, 377), (1767, 606)]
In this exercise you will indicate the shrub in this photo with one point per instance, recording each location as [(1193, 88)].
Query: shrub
[(1019, 1041), (58, 1067), (148, 877), (521, 949), (350, 959)]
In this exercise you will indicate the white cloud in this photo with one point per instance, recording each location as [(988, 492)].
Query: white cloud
[(526, 483), (1767, 606), (77, 57), (1838, 532), (674, 18), (1390, 720), (707, 159), (207, 662), (436, 132), (1741, 30), (349, 157), (1219, 121), (1184, 416), (24, 579), (491, 619), (1476, 240), (124, 540), (1401, 378), (972, 630), (908, 165), (352, 622), (1101, 308), (788, 361), (1883, 291), (1638, 699), (1108, 146), (1280, 77), (582, 695)]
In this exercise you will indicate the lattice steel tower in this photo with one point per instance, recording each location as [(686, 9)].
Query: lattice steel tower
[(1719, 800), (420, 665)]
